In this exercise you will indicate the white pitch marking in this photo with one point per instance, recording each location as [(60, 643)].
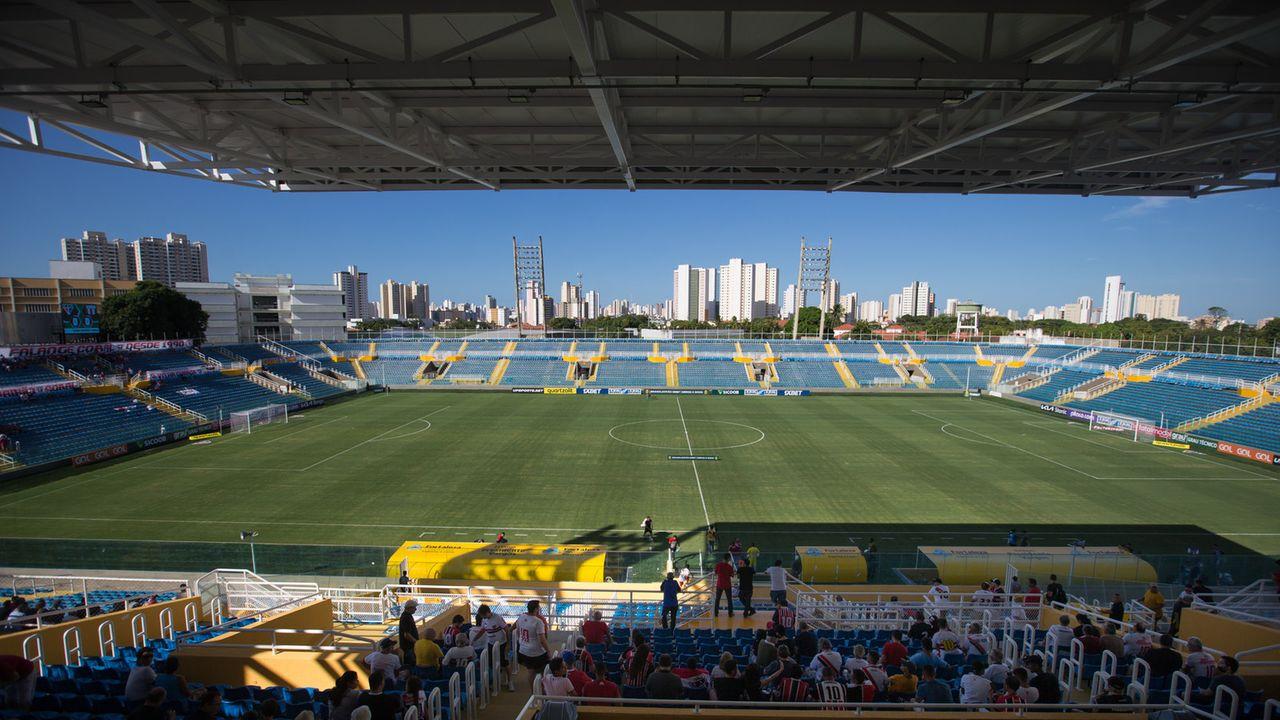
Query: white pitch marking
[(1011, 447), (976, 442), (375, 437), (696, 478)]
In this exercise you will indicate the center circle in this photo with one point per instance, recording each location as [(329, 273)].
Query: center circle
[(669, 434)]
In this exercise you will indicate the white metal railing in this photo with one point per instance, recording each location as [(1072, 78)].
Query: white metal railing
[(1209, 418), (241, 590), (537, 701), (206, 358), (80, 586), (875, 610)]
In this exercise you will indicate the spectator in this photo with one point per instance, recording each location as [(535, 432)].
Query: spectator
[(931, 689), (826, 657), (735, 549), (382, 705), (577, 676), (427, 654), (919, 630), (209, 706), (777, 582), (1136, 641), (1054, 592), (601, 686), (746, 576), (695, 680), (938, 593), (875, 671), (1227, 674), (152, 707), (724, 584), (1199, 664), (580, 657), (685, 575), (752, 685), (997, 671), (856, 661), (596, 631), (413, 696), (637, 661), (1111, 641), (1083, 623), (663, 684), (175, 685), (983, 595), (1025, 691), (671, 601), (532, 650), (806, 639), (1091, 640), (404, 578), (1164, 660), (385, 659), (342, 698), (903, 686), (729, 685), (975, 689), (784, 621), (924, 657), (946, 641), (894, 651), (409, 632), (142, 677), (1114, 693), (1116, 613), (457, 627), (766, 649), (1046, 685), (1060, 635), (831, 691), (493, 628), (753, 556), (1009, 695), (556, 682), (975, 641), (461, 653), (18, 678), (1154, 600)]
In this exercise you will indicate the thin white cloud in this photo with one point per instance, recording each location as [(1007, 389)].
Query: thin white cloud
[(1144, 206)]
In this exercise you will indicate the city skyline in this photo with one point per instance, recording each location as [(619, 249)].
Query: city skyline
[(1004, 252)]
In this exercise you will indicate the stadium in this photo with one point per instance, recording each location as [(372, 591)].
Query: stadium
[(527, 521)]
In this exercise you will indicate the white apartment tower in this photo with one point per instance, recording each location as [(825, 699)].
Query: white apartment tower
[(871, 310), (171, 259), (355, 286), (748, 290), (849, 303), (917, 299), (391, 300), (1112, 292), (693, 293)]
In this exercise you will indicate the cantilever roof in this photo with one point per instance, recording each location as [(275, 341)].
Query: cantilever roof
[(970, 96)]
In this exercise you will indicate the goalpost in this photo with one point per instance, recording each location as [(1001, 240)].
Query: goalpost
[(246, 420), (1135, 428)]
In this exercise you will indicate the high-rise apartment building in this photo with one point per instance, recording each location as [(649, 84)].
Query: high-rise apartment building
[(747, 291), (114, 257), (871, 310), (849, 306), (917, 299), (1158, 307), (417, 300), (951, 306), (1112, 291), (831, 297), (895, 307), (355, 287), (693, 293), (1127, 299), (391, 300), (1086, 309), (171, 259)]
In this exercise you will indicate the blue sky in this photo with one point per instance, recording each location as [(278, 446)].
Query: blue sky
[(1006, 251)]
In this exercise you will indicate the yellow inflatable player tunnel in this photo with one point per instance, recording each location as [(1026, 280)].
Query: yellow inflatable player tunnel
[(972, 565), (831, 564), (425, 561)]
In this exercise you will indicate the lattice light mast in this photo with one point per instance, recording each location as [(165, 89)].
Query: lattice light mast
[(527, 260), (814, 272)]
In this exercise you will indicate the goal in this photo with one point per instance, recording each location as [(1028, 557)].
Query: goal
[(246, 421), (1135, 428)]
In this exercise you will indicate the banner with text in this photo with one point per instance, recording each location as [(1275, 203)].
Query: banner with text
[(53, 349)]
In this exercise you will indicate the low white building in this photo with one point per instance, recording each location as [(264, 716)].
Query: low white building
[(272, 306)]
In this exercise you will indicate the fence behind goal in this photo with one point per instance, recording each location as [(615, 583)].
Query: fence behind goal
[(246, 421)]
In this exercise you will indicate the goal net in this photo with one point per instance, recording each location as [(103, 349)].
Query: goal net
[(246, 421), (1134, 428)]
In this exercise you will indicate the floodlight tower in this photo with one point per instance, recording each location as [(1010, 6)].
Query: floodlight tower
[(528, 269), (814, 272)]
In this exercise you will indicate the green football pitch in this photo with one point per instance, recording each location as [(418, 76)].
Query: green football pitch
[(334, 489)]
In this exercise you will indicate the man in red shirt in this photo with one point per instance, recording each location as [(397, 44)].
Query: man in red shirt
[(576, 676), (595, 631), (894, 652), (18, 678), (601, 687), (724, 584)]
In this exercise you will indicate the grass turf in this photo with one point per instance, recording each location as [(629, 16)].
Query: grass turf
[(334, 489)]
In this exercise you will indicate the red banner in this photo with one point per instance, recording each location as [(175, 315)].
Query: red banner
[(100, 455), (51, 350), (36, 388), (1248, 453)]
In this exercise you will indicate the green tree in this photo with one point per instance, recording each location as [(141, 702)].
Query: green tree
[(152, 310), (561, 323)]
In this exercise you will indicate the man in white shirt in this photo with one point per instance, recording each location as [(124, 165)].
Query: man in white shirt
[(983, 595), (1136, 641), (974, 688), (1060, 635), (976, 642), (1200, 664), (384, 659), (946, 641), (997, 672), (777, 582), (493, 633), (460, 654), (938, 593), (857, 661), (531, 642), (826, 658)]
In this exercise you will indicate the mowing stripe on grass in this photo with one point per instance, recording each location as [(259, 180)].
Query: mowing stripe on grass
[(308, 427), (375, 437), (696, 478)]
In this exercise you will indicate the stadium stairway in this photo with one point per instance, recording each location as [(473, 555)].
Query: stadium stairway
[(842, 369), (1258, 401), (359, 371)]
